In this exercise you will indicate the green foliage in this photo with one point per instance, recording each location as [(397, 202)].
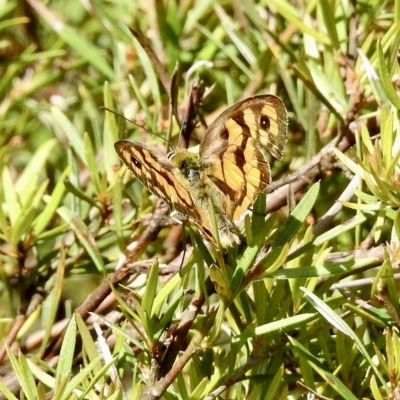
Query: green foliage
[(307, 303)]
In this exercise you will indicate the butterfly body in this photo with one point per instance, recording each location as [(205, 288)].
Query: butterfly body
[(226, 175)]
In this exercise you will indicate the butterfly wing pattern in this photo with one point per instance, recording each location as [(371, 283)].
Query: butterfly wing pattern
[(158, 174), (228, 173)]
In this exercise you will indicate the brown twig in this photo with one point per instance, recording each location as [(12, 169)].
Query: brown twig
[(12, 334)]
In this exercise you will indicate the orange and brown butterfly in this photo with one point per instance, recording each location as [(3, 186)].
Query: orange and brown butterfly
[(227, 173)]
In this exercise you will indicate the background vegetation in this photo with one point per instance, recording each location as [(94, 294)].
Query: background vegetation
[(309, 306)]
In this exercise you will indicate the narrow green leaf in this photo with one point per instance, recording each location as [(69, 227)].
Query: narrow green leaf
[(88, 343), (53, 201), (85, 375), (79, 193), (282, 326), (150, 327), (297, 217), (28, 213), (328, 12), (23, 225), (232, 31), (243, 265), (365, 207), (348, 225), (218, 319), (29, 381), (151, 290), (149, 71), (387, 140), (371, 315), (52, 303), (274, 387), (375, 389), (366, 139), (64, 366), (329, 90), (275, 258), (164, 293), (41, 375), (27, 181), (227, 50), (199, 391), (168, 315), (64, 125), (376, 84), (350, 164), (117, 207), (251, 252), (92, 165), (23, 374)]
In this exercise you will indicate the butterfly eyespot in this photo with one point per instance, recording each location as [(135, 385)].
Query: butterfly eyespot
[(264, 122), (135, 162)]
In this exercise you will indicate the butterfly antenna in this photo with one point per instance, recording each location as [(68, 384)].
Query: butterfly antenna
[(138, 125)]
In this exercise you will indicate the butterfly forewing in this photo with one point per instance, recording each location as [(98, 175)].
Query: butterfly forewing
[(158, 174)]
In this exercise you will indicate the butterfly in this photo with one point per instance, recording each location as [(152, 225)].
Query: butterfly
[(226, 175)]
